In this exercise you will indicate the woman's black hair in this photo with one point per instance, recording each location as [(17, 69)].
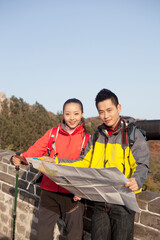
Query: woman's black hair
[(73, 100)]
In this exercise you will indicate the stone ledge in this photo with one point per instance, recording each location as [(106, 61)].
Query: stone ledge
[(145, 233)]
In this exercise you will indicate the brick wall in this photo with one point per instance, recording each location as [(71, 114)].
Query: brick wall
[(147, 223)]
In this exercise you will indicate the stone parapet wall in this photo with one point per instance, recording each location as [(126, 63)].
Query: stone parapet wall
[(147, 222)]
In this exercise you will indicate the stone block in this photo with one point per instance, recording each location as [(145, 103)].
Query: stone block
[(24, 207), (23, 218), (5, 231), (7, 158), (33, 170), (3, 167), (12, 171), (137, 217), (5, 155), (1, 197), (20, 229), (34, 225), (150, 220), (38, 190), (30, 176), (22, 184), (35, 213), (24, 196), (7, 178), (144, 233), (143, 205), (146, 196), (3, 207), (154, 206), (8, 189), (4, 218)]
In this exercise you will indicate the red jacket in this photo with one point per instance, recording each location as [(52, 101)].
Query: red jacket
[(67, 146)]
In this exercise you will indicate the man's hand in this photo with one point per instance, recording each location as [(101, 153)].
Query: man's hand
[(132, 185), (76, 198)]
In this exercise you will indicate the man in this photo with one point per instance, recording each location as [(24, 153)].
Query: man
[(110, 146)]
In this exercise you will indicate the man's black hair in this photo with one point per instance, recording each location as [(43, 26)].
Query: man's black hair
[(73, 100), (106, 94)]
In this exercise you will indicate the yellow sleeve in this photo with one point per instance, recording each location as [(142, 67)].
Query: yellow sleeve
[(83, 161)]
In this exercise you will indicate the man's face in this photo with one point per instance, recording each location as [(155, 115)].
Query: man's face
[(109, 113)]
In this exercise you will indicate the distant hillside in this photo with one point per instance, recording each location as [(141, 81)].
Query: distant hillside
[(153, 181)]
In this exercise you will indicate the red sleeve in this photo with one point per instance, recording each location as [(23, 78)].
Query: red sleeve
[(39, 148)]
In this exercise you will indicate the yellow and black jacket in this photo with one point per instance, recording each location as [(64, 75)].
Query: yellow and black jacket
[(111, 151)]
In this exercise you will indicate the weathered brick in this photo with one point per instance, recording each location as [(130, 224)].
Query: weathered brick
[(23, 218), (38, 190), (23, 206), (30, 176), (22, 184), (21, 174), (5, 154), (33, 237), (6, 178), (24, 167), (34, 225), (35, 213), (154, 206), (3, 207), (4, 218), (146, 196), (150, 220), (29, 198), (35, 219), (20, 228), (2, 151), (33, 170), (8, 189), (3, 167), (137, 217), (1, 197), (143, 233), (5, 231), (7, 158)]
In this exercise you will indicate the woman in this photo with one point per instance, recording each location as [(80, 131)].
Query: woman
[(55, 201)]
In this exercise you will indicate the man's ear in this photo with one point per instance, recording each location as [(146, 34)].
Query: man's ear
[(119, 108)]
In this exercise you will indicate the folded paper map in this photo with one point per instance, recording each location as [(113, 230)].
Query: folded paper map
[(95, 184)]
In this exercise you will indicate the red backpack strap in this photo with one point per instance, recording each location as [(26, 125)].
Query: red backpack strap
[(52, 138), (86, 139), (85, 142)]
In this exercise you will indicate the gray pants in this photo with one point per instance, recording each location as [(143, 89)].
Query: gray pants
[(48, 216)]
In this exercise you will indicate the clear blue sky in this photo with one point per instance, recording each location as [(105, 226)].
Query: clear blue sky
[(52, 50)]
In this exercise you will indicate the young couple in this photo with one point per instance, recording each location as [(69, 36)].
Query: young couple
[(111, 149)]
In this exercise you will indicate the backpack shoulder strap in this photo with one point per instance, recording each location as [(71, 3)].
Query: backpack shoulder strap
[(52, 139), (95, 137), (131, 131), (87, 136), (84, 143)]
